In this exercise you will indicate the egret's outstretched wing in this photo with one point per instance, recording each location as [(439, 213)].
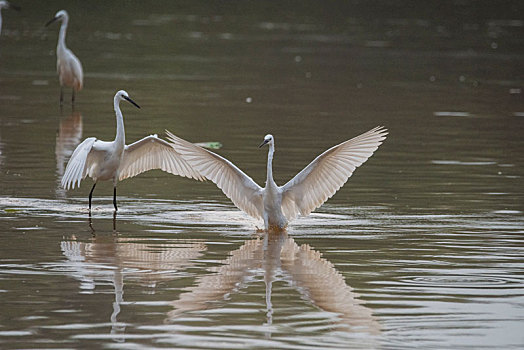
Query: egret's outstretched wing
[(235, 184), (327, 173), (76, 167), (150, 153)]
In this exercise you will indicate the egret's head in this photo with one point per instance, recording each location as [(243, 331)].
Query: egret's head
[(123, 95), (267, 139), (4, 5), (59, 16)]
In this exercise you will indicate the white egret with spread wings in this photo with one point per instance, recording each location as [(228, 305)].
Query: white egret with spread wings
[(117, 161), (274, 204)]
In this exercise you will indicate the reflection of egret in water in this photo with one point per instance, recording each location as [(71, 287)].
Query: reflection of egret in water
[(114, 259), (316, 279), (68, 137)]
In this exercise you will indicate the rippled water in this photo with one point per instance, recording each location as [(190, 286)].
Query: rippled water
[(423, 247)]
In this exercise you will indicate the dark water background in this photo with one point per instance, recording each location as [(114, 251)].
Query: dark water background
[(423, 247)]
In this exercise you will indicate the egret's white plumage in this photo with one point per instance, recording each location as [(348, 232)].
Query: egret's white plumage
[(68, 66), (6, 5), (308, 190), (117, 161)]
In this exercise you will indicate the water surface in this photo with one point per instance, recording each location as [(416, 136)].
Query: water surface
[(422, 248)]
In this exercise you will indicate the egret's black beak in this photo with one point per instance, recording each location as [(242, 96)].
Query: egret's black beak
[(131, 101), (263, 143), (15, 7), (51, 21)]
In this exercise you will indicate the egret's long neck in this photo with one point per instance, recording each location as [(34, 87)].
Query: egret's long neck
[(62, 35), (270, 180), (120, 132)]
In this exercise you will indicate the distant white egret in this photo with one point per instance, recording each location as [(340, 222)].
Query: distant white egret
[(68, 66), (277, 205), (6, 5), (117, 161)]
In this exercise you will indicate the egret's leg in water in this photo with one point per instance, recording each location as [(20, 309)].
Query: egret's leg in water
[(266, 221), (91, 196), (114, 198)]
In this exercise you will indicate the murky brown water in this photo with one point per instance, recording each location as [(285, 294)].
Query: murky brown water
[(423, 247)]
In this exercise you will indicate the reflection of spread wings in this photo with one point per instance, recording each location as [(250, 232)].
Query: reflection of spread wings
[(317, 279), (224, 280), (147, 259), (325, 286), (111, 258)]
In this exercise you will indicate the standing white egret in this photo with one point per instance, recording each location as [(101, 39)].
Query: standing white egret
[(277, 205), (6, 5), (117, 161), (68, 66)]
